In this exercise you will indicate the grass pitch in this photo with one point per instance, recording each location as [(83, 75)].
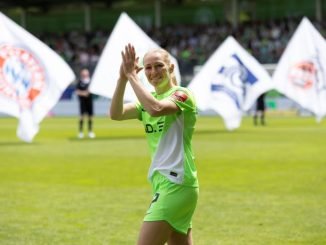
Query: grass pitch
[(258, 185)]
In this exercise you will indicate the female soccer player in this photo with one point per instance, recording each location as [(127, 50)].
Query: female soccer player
[(169, 117)]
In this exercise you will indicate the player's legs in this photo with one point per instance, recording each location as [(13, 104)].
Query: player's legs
[(91, 134), (82, 117), (259, 114), (81, 126), (262, 118), (89, 109), (90, 123), (255, 119), (177, 238), (154, 233), (168, 218), (160, 232)]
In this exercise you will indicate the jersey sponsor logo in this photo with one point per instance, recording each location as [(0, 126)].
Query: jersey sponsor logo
[(180, 96), (22, 77), (149, 128)]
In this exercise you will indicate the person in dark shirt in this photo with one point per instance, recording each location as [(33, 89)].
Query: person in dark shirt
[(260, 110), (85, 103)]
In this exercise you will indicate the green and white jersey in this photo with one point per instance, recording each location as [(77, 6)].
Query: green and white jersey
[(169, 138)]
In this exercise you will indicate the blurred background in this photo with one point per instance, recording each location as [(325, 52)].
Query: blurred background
[(191, 30)]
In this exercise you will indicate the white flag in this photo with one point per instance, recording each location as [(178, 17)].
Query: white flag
[(230, 82), (106, 73), (32, 77), (300, 73)]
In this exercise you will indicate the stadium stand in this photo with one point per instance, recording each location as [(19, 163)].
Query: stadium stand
[(191, 44), (264, 34)]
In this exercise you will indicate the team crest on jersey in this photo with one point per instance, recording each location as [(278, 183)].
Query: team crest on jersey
[(22, 77), (303, 74), (180, 96)]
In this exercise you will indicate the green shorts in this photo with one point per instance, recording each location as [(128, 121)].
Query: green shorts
[(172, 203)]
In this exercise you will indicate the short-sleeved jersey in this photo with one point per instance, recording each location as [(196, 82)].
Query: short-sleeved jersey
[(83, 85), (169, 138)]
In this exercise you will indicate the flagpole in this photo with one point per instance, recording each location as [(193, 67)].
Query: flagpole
[(23, 17), (234, 13), (157, 13), (87, 17), (318, 10)]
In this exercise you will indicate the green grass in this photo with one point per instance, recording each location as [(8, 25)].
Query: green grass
[(259, 185)]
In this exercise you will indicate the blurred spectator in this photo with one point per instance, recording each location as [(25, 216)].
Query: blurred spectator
[(85, 103), (260, 110)]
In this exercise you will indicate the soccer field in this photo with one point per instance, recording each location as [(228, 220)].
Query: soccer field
[(258, 185)]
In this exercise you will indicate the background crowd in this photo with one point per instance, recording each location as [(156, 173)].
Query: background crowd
[(190, 44)]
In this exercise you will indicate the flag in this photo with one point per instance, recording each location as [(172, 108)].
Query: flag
[(230, 82), (106, 73), (32, 77), (300, 73)]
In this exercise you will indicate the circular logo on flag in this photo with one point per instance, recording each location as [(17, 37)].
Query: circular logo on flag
[(22, 78), (303, 74)]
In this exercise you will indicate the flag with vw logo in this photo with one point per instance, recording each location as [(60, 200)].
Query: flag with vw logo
[(32, 77), (301, 72), (230, 82)]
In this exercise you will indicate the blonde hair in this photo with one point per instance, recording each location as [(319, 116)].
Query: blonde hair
[(167, 59)]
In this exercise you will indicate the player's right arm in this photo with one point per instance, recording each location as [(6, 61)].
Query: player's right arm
[(118, 110), (82, 93)]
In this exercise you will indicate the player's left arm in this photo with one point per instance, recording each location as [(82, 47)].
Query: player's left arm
[(179, 100), (153, 106)]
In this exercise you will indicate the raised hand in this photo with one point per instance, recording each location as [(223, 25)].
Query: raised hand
[(129, 61), (122, 74)]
